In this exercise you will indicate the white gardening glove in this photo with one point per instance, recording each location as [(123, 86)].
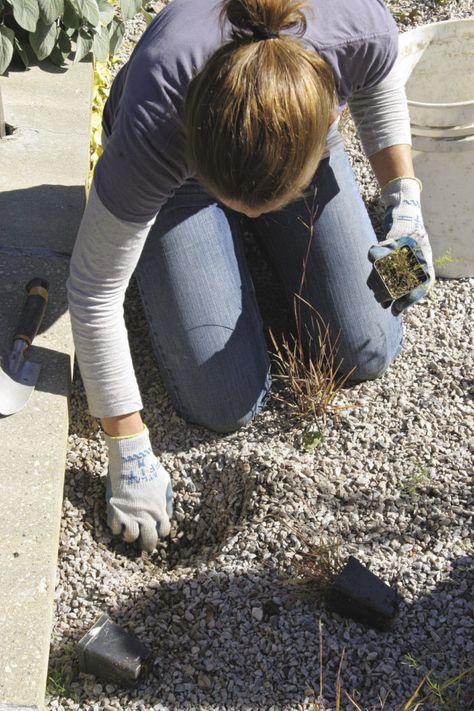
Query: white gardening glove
[(403, 224), (139, 495)]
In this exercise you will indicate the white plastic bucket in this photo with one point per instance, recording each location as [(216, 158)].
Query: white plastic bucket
[(437, 64)]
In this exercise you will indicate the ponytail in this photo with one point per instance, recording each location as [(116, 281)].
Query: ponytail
[(257, 114), (249, 18)]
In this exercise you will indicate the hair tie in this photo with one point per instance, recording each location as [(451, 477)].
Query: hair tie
[(265, 34)]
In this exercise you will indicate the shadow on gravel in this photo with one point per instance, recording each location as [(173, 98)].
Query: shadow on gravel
[(225, 639), (243, 639), (225, 505)]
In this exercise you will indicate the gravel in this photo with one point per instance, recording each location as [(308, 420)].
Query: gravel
[(390, 483)]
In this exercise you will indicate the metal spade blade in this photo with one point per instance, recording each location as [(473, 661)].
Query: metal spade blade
[(16, 390), (18, 377)]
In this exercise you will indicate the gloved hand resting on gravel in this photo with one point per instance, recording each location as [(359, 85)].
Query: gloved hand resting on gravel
[(139, 495), (403, 224)]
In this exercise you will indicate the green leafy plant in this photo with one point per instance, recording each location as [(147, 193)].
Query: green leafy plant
[(450, 693), (406, 16), (464, 569), (57, 686), (411, 484), (102, 81), (342, 698), (410, 660), (312, 440), (61, 675), (445, 259), (54, 29)]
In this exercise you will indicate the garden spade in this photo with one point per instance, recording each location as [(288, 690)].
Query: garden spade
[(18, 376)]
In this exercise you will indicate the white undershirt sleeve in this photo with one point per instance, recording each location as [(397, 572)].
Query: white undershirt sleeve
[(381, 114), (105, 255)]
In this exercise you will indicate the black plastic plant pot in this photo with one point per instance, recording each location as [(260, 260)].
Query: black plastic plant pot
[(359, 594), (113, 654), (400, 272)]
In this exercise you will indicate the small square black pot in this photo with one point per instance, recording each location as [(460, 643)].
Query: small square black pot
[(359, 594), (112, 654), (400, 272)]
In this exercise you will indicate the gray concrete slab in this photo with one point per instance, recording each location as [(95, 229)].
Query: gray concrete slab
[(33, 453), (50, 111), (42, 179)]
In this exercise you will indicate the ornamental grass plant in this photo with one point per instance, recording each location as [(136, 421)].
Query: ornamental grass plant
[(306, 362)]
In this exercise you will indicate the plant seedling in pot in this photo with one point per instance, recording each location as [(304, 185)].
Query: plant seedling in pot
[(400, 271)]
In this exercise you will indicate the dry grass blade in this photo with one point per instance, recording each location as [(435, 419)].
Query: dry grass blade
[(307, 366), (306, 363), (453, 684), (408, 705), (355, 704), (319, 565), (338, 682), (321, 676), (317, 571)]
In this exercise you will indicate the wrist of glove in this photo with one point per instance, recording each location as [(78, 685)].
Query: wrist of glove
[(139, 494), (403, 225)]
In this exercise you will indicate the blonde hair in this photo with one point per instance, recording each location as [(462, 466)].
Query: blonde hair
[(257, 113)]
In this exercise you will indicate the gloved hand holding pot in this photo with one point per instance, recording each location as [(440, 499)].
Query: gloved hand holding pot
[(403, 261)]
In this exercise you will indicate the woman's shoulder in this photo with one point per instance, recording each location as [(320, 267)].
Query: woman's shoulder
[(182, 35), (358, 38), (337, 22)]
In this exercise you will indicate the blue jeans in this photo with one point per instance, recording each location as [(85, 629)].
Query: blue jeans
[(200, 303)]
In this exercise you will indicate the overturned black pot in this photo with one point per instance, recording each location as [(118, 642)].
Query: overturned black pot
[(113, 654), (359, 594)]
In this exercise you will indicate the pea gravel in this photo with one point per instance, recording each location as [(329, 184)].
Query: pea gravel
[(391, 483)]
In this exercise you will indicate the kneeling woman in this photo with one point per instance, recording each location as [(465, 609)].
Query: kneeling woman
[(226, 117)]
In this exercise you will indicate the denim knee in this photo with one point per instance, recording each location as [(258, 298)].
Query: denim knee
[(221, 421), (228, 413), (372, 362), (370, 371)]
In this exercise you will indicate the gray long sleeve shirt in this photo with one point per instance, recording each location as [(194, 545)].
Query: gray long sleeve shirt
[(144, 160)]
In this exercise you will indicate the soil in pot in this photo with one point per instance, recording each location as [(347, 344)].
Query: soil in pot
[(400, 271)]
